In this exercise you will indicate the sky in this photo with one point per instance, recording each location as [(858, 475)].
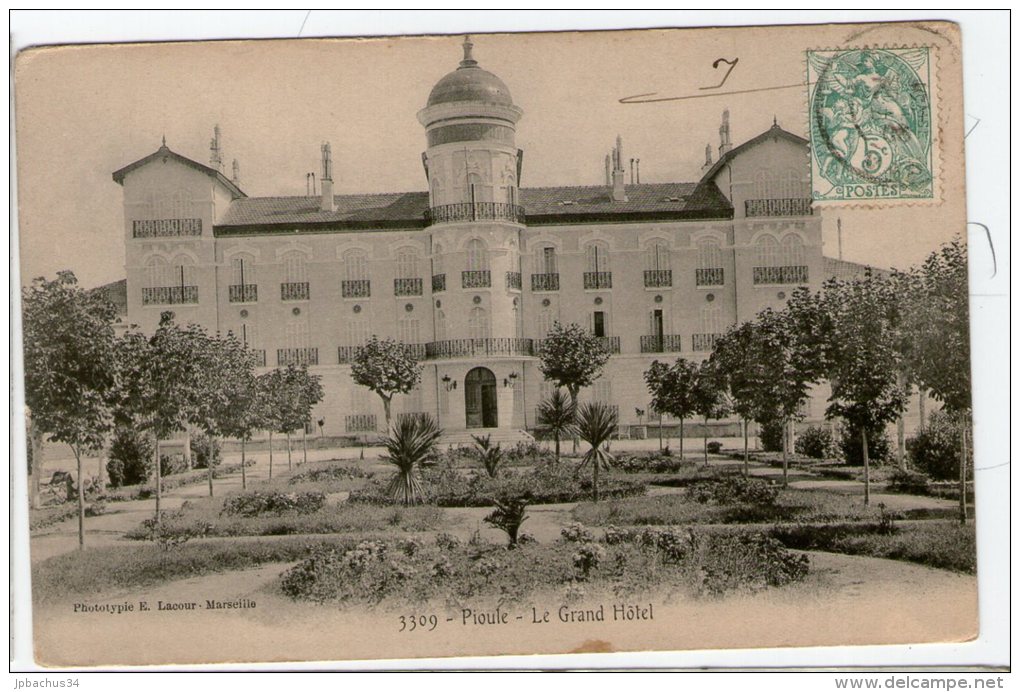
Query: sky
[(83, 112)]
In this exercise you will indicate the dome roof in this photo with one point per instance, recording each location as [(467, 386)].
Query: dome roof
[(470, 83)]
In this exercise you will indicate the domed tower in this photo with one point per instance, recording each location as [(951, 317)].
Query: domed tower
[(475, 224)]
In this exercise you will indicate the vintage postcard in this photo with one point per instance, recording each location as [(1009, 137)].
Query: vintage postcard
[(501, 344)]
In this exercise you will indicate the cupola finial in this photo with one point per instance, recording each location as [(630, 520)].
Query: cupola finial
[(468, 60)]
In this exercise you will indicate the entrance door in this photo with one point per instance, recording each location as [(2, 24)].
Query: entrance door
[(480, 398)]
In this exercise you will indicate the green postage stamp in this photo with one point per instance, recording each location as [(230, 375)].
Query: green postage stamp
[(871, 132)]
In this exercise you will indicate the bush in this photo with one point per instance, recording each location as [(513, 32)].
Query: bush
[(130, 454), (205, 450), (771, 436), (850, 445), (735, 489), (908, 481), (650, 462), (816, 442), (750, 561), (714, 447), (330, 473), (273, 502), (935, 449)]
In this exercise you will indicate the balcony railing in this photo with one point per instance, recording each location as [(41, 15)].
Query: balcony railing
[(658, 278), (346, 354), (793, 274), (359, 422), (170, 295), (407, 287), (294, 291), (513, 281), (466, 348), (260, 357), (244, 293), (438, 283), (704, 342), (595, 280), (476, 278), (610, 343), (709, 277), (474, 211), (778, 207), (356, 288), (165, 228), (545, 282), (667, 343), (297, 356)]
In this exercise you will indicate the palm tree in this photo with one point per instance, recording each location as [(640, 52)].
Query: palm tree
[(410, 446), (490, 456), (557, 413), (596, 422)]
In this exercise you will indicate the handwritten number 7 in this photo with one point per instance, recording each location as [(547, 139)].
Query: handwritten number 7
[(715, 66)]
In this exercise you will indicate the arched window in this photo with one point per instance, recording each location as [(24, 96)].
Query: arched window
[(763, 183), (296, 334), (711, 320), (478, 323), (709, 253), (596, 257), (249, 335), (792, 250), (357, 332), (437, 259), (157, 272), (546, 319), (477, 256), (477, 190), (602, 390), (183, 271), (545, 259), (355, 265), (169, 205), (440, 325), (242, 270), (407, 263), (294, 267), (517, 322), (409, 330), (767, 251), (657, 256), (772, 184)]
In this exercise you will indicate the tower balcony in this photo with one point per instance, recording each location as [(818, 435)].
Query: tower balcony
[(468, 348), (474, 211), (783, 206)]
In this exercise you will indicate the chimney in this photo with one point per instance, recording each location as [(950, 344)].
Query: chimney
[(327, 179), (724, 133), (236, 176), (216, 151), (708, 158), (619, 192), (609, 170)]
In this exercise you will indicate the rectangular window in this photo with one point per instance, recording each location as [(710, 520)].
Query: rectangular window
[(599, 323)]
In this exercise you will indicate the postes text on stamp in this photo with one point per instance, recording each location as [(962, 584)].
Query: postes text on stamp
[(871, 133)]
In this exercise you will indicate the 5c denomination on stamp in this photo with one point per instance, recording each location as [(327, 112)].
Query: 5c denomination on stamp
[(870, 112)]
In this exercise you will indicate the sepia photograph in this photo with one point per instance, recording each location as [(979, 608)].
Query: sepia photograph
[(496, 344)]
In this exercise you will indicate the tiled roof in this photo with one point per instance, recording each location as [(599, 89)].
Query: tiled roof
[(542, 205)]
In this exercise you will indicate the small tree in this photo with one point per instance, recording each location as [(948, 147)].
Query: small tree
[(386, 367), (940, 334), (489, 455), (735, 362), (709, 395), (291, 393), (557, 413), (508, 516), (861, 358), (411, 446), (572, 358), (70, 370), (270, 388), (596, 422), (672, 389)]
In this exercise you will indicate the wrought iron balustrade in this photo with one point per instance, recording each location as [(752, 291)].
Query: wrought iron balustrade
[(243, 293), (260, 357), (466, 348), (474, 211), (513, 280), (407, 287), (658, 278), (795, 206), (596, 280), (793, 274), (709, 277), (360, 422), (297, 356), (704, 342), (165, 228), (667, 343), (545, 282), (356, 288), (294, 291), (170, 295), (476, 278)]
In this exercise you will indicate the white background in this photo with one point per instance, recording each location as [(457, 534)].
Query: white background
[(986, 86)]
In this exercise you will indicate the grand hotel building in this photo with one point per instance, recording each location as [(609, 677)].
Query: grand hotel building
[(474, 272)]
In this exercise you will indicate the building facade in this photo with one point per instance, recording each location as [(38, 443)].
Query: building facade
[(474, 272)]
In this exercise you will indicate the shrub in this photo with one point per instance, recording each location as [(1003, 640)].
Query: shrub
[(273, 502), (489, 456), (908, 481), (714, 447), (771, 436), (130, 454), (172, 531), (587, 557), (575, 532), (733, 490), (751, 561), (205, 451), (652, 462), (170, 464), (850, 445), (330, 473), (508, 516), (816, 442), (935, 449)]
